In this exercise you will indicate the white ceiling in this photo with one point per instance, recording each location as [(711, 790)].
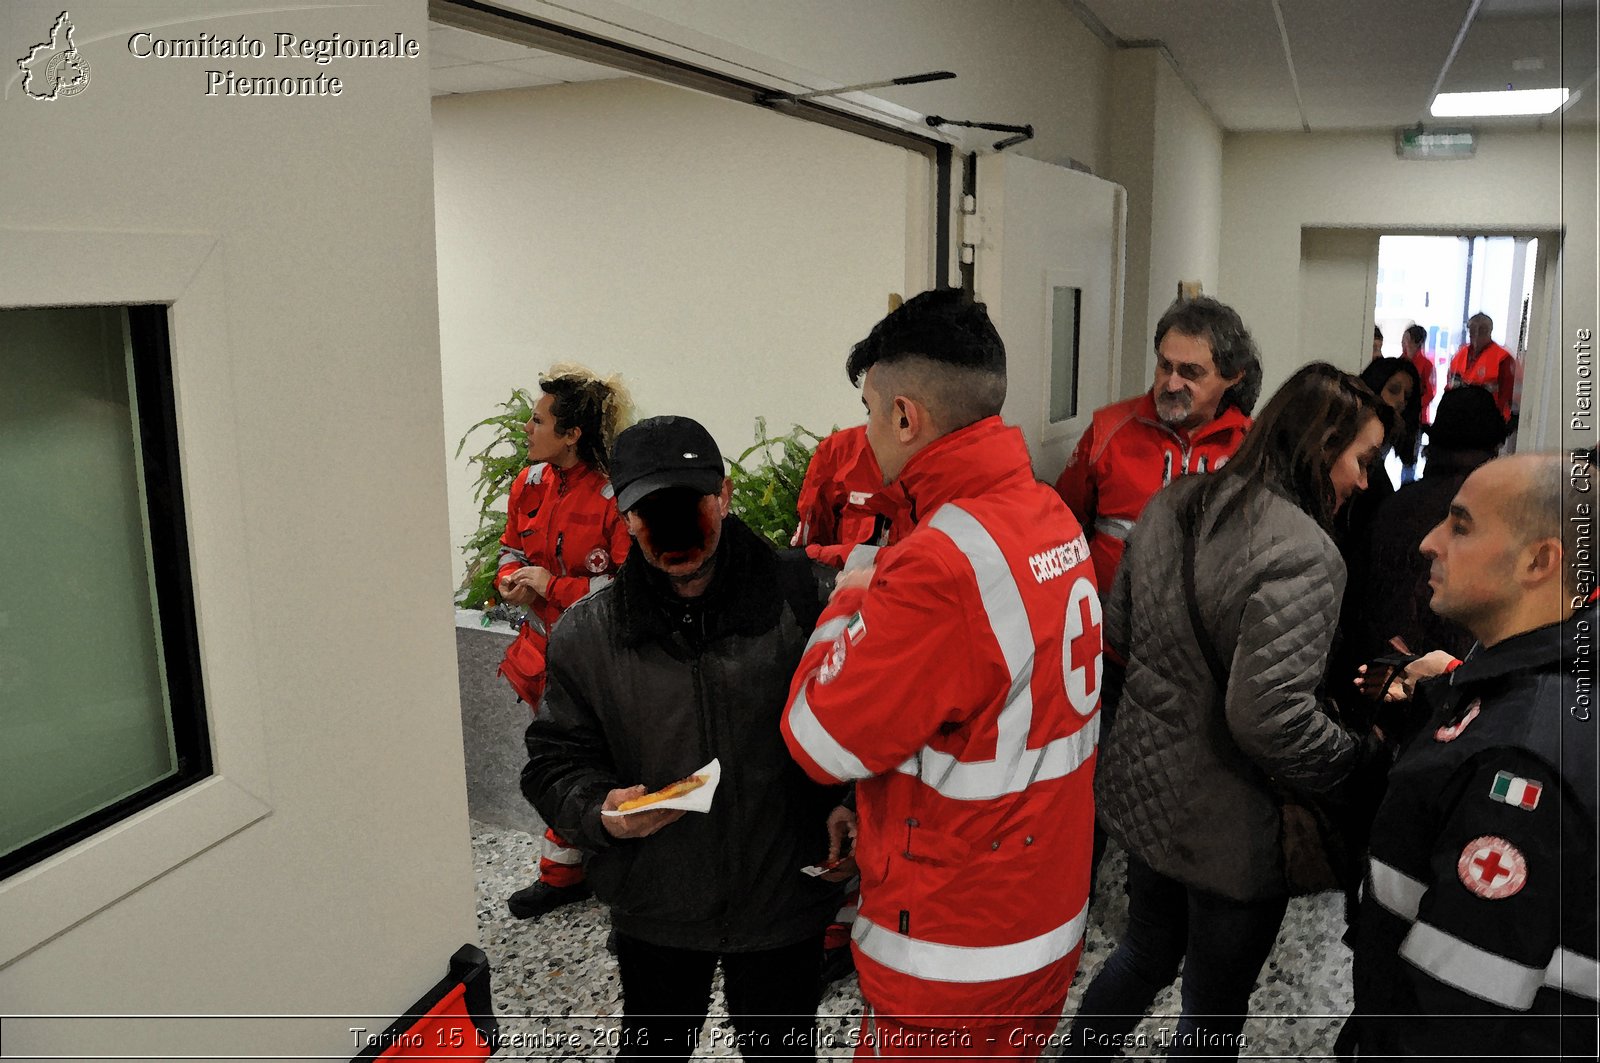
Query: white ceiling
[(1358, 64), (1329, 64), (461, 61)]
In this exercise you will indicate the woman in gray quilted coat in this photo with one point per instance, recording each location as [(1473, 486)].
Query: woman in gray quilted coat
[(1185, 777)]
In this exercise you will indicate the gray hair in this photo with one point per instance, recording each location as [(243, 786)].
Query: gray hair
[(1232, 349)]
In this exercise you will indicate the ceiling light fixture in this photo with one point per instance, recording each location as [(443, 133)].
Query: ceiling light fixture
[(1494, 104)]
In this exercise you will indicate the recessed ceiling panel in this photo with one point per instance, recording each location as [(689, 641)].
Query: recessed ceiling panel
[(1361, 64), (1365, 63)]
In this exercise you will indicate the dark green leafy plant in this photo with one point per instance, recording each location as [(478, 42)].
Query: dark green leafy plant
[(766, 481), (497, 464)]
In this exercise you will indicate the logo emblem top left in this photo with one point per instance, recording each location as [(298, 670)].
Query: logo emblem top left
[(54, 69)]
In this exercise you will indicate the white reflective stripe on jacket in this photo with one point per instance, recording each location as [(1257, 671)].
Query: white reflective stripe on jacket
[(1466, 966), (967, 963)]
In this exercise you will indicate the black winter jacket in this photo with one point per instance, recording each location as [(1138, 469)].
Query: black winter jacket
[(645, 687), (1477, 934)]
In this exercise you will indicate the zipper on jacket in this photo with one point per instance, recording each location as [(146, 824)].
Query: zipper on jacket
[(708, 735), (560, 536)]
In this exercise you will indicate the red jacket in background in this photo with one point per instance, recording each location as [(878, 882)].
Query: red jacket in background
[(961, 690), (1125, 456), (565, 521), (842, 498), (1494, 370), (1423, 361)]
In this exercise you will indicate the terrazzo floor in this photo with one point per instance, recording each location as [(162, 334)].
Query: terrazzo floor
[(556, 988)]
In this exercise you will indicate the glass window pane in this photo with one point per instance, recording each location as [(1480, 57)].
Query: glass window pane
[(85, 716), (1065, 304)]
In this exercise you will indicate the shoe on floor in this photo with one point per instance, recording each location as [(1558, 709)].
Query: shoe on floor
[(531, 902), (836, 964)]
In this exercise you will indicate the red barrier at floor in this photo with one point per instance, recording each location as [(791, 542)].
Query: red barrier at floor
[(454, 1020), (445, 1032)]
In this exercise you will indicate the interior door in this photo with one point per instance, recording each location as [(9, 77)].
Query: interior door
[(1048, 260)]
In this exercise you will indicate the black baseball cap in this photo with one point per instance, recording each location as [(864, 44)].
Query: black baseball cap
[(664, 452)]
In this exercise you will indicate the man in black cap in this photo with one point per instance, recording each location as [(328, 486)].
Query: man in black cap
[(687, 657)]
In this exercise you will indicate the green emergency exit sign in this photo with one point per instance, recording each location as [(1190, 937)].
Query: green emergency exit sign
[(1435, 144)]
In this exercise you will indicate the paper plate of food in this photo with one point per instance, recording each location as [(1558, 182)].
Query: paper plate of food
[(692, 793)]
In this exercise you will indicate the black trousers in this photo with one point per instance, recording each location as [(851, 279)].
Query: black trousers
[(772, 998)]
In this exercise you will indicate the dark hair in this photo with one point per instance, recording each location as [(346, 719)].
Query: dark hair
[(1418, 334), (946, 352), (1232, 349), (1408, 430), (1467, 419), (1377, 333), (598, 408), (1307, 424)]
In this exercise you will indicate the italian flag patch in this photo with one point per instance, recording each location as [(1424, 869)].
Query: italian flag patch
[(1509, 789), (856, 629)]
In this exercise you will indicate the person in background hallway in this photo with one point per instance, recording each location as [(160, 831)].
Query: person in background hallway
[(563, 539), (1183, 782), (1394, 602), (1485, 363), (1414, 349), (685, 658), (1395, 382), (1193, 418), (1397, 385), (1477, 933), (1377, 342), (956, 683)]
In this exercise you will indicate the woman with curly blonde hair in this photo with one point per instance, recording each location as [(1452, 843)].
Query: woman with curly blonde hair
[(563, 539)]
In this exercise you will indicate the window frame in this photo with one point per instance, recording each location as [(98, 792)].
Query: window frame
[(185, 273), (173, 591)]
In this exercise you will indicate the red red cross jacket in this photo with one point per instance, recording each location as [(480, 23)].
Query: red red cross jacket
[(1125, 456), (1423, 361), (565, 521), (961, 690), (842, 498), (1495, 369)]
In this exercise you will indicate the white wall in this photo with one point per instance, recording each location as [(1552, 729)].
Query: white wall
[(1130, 162), (310, 402), (721, 257), (1166, 152), (1338, 282), (1017, 61), (1186, 199), (1274, 185)]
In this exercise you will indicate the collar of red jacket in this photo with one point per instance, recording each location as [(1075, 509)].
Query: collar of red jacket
[(1231, 419), (575, 475), (969, 461)]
